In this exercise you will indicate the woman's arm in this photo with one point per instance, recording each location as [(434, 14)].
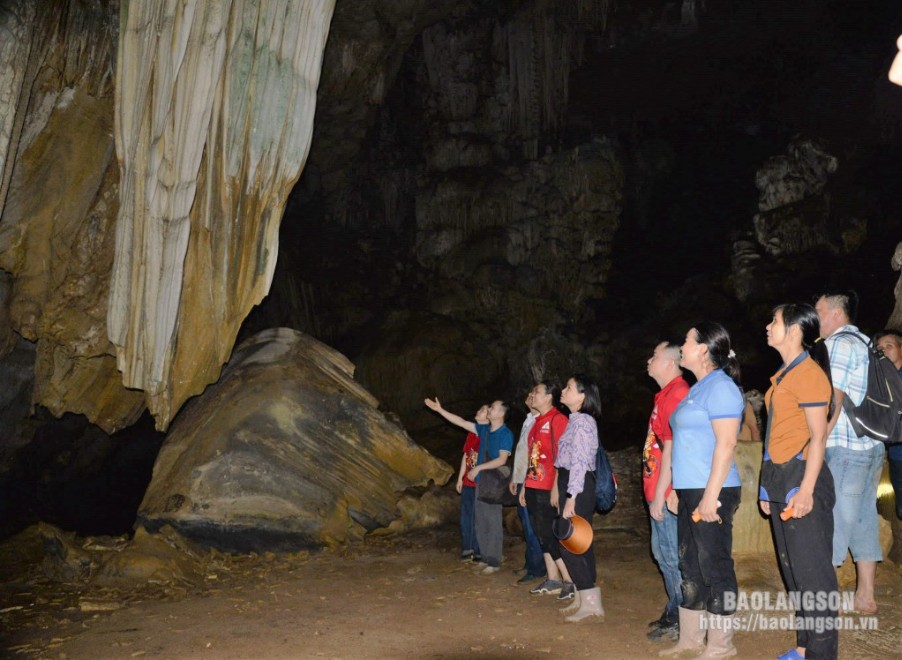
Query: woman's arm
[(583, 449), (726, 430), (457, 420), (803, 500)]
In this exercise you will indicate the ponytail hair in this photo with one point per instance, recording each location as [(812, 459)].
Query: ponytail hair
[(805, 316), (717, 339)]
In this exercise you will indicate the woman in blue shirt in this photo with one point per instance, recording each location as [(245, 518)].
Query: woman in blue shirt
[(705, 429)]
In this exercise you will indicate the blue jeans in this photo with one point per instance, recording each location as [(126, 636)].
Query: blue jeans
[(535, 561), (666, 551), (856, 474), (468, 541)]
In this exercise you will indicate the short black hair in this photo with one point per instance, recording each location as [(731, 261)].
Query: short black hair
[(553, 389), (847, 299)]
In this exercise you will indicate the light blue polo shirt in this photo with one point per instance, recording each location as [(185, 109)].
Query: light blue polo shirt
[(715, 396)]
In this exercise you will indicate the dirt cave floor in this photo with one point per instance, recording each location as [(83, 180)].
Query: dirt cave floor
[(390, 597)]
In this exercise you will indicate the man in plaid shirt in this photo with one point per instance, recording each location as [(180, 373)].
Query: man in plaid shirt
[(855, 462)]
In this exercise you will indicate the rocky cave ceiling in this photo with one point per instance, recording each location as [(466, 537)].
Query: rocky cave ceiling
[(494, 191)]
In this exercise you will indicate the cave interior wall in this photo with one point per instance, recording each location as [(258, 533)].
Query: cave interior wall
[(448, 249)]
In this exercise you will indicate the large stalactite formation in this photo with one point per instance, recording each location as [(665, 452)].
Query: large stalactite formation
[(214, 106), (213, 127)]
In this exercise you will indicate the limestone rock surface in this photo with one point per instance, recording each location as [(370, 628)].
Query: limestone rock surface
[(483, 223), (751, 530), (798, 225), (156, 142), (531, 246), (286, 451), (59, 200), (788, 178), (895, 319), (213, 126)]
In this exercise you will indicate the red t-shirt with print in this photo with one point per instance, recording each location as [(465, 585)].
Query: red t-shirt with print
[(542, 444), (471, 451), (666, 402)]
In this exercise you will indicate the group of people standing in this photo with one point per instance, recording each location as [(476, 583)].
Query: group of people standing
[(554, 479), (818, 480)]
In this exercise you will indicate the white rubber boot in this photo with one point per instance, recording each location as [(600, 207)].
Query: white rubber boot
[(692, 637), (589, 605), (573, 606), (720, 638)]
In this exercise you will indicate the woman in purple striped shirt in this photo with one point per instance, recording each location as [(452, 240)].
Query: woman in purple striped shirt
[(577, 450)]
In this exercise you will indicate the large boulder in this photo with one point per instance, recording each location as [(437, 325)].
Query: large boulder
[(751, 530), (286, 451)]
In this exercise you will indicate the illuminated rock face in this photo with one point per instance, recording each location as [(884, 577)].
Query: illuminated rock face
[(797, 224), (213, 125), (285, 451), (59, 200), (157, 142)]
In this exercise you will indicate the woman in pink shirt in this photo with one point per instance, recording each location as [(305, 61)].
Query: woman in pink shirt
[(577, 451)]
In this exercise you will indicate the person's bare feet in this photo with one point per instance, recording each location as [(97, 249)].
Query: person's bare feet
[(865, 605)]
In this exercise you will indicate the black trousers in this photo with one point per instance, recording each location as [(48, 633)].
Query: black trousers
[(541, 517), (706, 551), (581, 567), (895, 477), (805, 552)]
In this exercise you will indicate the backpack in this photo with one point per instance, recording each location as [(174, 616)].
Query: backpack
[(879, 415), (605, 482)]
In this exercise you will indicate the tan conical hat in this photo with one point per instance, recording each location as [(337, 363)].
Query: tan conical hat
[(575, 535)]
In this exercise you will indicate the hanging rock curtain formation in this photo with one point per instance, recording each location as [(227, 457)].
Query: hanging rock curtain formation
[(16, 24), (214, 115)]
